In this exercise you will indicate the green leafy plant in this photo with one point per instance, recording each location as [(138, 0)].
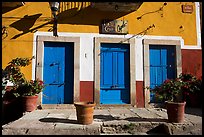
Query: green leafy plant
[(22, 86), (174, 89), (30, 88), (191, 84)]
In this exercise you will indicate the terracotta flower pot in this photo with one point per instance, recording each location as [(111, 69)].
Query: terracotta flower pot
[(11, 110), (29, 103), (175, 111), (84, 112)]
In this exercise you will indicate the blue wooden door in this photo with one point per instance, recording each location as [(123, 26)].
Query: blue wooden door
[(162, 65), (58, 73), (114, 74)]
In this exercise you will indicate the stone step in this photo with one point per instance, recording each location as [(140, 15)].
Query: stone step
[(149, 128)]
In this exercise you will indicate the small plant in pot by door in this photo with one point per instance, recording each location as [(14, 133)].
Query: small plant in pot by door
[(84, 112), (26, 90), (172, 94), (29, 93), (191, 90)]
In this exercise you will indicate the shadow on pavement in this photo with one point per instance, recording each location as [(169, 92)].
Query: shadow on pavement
[(60, 120), (132, 119), (194, 111)]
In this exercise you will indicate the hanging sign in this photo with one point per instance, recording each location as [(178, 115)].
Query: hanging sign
[(114, 27), (187, 8)]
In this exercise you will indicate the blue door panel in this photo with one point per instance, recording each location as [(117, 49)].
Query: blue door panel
[(107, 69), (58, 73), (114, 80), (121, 70), (162, 64), (52, 72), (69, 74), (115, 96), (171, 65), (115, 69)]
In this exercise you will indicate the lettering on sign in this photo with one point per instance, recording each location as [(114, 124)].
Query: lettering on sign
[(115, 27), (187, 8)]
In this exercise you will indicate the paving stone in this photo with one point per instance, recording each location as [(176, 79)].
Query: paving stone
[(113, 121), (56, 115), (35, 115), (144, 113), (108, 129), (69, 126), (102, 115), (94, 128), (121, 111), (14, 132), (101, 111), (160, 112), (139, 133), (121, 114), (193, 118), (57, 132), (25, 124), (119, 134), (73, 116)]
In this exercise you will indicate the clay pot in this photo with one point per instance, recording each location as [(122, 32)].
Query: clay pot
[(29, 103), (175, 111), (11, 110), (84, 112)]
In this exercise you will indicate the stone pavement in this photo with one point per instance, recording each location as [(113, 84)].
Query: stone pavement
[(107, 121)]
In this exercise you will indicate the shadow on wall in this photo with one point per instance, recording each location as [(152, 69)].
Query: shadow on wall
[(7, 9), (87, 16), (26, 23), (75, 14)]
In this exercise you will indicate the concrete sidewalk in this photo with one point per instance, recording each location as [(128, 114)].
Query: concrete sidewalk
[(111, 120)]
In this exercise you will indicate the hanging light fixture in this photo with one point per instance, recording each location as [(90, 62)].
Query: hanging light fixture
[(54, 6)]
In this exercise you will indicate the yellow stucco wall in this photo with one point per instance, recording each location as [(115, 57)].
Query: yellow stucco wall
[(80, 17)]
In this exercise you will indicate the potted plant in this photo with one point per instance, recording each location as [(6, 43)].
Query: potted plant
[(173, 93), (27, 90), (191, 89), (84, 112), (9, 102)]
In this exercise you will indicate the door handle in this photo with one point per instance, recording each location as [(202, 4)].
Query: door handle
[(114, 86), (53, 64), (61, 84)]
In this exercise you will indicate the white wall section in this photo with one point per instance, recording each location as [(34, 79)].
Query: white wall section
[(87, 51)]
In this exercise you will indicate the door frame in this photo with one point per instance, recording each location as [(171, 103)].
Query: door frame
[(146, 43), (39, 61), (97, 45)]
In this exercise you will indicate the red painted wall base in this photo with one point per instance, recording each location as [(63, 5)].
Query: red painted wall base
[(140, 94), (86, 91), (192, 62)]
